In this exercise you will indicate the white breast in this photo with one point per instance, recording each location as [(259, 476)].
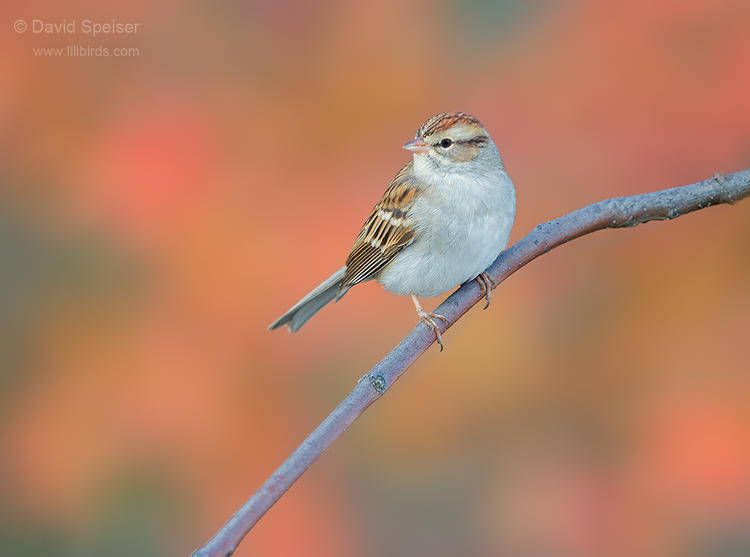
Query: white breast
[(463, 223)]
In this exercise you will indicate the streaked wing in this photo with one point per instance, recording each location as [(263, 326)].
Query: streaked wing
[(385, 233)]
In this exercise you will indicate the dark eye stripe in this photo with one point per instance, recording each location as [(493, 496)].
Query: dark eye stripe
[(479, 141)]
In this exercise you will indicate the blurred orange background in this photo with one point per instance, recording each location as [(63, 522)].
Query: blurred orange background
[(160, 209)]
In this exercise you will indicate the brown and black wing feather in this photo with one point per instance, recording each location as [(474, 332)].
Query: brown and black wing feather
[(386, 232)]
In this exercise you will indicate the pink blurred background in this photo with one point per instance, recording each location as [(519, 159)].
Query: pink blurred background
[(159, 209)]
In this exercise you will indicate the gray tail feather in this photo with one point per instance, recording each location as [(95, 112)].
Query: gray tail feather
[(312, 303)]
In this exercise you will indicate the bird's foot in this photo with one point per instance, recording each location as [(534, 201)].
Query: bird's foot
[(428, 319), (487, 284)]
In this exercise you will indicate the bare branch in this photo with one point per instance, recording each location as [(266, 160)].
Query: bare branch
[(611, 213)]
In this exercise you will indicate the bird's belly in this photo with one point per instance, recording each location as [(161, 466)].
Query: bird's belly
[(448, 254)]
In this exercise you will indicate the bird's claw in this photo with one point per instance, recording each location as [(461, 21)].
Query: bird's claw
[(429, 320), (487, 284)]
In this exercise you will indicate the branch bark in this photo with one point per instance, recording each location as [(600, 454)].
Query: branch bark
[(612, 213)]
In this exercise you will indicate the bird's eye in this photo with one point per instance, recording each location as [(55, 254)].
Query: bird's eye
[(445, 143)]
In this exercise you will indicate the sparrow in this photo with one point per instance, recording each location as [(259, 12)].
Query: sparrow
[(442, 221)]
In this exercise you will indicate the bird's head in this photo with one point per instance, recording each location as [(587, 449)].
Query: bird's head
[(450, 139)]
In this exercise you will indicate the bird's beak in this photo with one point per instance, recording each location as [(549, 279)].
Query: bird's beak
[(417, 145)]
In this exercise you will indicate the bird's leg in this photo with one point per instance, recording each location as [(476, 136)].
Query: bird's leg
[(429, 320), (487, 284)]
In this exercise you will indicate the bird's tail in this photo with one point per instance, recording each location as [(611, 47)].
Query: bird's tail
[(312, 303)]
